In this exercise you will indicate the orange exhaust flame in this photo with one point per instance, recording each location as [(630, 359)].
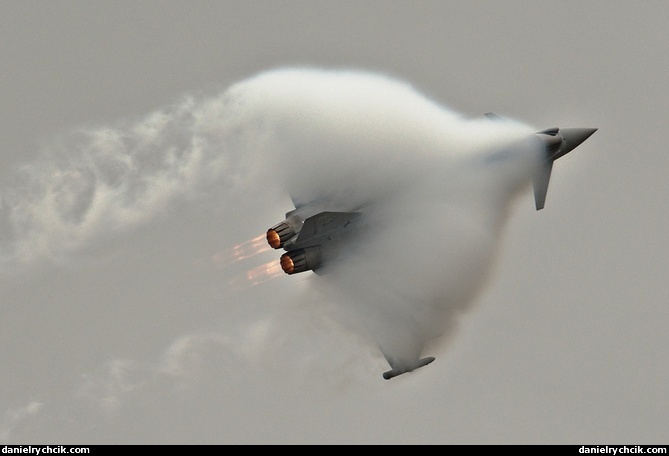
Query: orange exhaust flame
[(264, 272), (246, 249), (273, 238), (256, 276)]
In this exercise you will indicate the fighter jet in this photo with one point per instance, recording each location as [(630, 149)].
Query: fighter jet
[(313, 235)]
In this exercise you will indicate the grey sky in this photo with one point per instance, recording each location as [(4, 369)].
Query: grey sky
[(134, 341)]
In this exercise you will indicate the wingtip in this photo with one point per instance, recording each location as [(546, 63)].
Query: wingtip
[(494, 117), (399, 371)]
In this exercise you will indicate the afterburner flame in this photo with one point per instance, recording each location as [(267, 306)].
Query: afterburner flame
[(287, 264), (246, 249), (264, 272), (273, 238)]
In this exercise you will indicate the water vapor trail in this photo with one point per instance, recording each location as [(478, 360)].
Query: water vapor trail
[(434, 187)]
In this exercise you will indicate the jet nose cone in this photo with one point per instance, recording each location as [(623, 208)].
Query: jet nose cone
[(575, 136)]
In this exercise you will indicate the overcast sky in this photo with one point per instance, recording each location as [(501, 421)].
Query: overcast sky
[(137, 326)]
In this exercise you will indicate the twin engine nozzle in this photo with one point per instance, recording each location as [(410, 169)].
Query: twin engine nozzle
[(307, 241), (283, 235)]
